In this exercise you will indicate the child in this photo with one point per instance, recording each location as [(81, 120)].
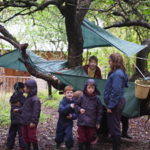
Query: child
[(30, 115), (92, 69), (90, 111), (16, 101), (66, 116)]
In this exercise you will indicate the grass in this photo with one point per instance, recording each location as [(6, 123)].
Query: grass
[(45, 100), (4, 109), (54, 101)]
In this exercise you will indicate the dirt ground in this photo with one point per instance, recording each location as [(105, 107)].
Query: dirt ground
[(46, 134)]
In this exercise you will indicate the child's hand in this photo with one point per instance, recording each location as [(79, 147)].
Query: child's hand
[(109, 110), (97, 126), (15, 110), (32, 125), (82, 111), (69, 116), (72, 105)]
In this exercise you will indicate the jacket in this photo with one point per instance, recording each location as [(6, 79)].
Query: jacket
[(97, 71), (64, 110), (114, 88), (17, 100), (32, 106), (92, 106)]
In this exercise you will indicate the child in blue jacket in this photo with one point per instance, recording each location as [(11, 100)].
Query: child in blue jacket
[(66, 116)]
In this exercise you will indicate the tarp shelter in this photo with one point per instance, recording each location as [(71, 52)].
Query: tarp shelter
[(95, 36), (77, 77)]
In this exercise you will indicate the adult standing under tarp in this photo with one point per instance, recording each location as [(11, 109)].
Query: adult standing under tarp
[(114, 97)]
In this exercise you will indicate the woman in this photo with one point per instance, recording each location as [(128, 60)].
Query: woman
[(113, 97)]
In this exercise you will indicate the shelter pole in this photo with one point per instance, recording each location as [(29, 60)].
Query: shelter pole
[(139, 71), (49, 90)]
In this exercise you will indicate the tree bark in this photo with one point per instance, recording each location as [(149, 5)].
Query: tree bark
[(143, 66), (140, 63), (73, 21)]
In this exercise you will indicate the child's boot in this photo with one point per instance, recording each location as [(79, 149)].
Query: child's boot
[(35, 146), (28, 146), (81, 146), (88, 146)]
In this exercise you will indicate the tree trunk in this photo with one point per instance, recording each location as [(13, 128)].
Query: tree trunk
[(143, 66), (49, 89), (140, 63), (73, 21)]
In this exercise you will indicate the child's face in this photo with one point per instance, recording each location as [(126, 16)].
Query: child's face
[(92, 64), (69, 94), (90, 89), (26, 90)]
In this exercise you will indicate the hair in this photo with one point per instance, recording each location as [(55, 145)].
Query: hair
[(18, 85), (68, 88), (117, 61), (93, 58), (77, 94)]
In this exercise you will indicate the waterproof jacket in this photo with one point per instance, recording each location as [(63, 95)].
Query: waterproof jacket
[(97, 71), (92, 105), (64, 110), (114, 88), (32, 106), (93, 111), (16, 101)]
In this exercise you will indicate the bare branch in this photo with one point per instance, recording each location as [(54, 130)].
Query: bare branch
[(99, 10), (28, 6), (130, 23), (10, 41), (15, 15), (4, 32)]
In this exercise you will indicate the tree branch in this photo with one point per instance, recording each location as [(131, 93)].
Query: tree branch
[(22, 47), (10, 41), (28, 5), (4, 32), (15, 15), (130, 23)]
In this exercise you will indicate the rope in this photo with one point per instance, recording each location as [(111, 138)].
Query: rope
[(139, 70), (140, 58), (75, 56)]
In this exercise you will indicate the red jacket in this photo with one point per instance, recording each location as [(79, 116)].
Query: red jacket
[(97, 71)]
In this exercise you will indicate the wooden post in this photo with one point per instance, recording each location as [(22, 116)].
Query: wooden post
[(49, 90)]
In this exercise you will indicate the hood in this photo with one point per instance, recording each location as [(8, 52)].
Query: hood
[(32, 86), (91, 82)]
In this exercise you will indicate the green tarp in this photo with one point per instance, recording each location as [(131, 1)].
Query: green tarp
[(75, 77), (95, 36), (12, 60)]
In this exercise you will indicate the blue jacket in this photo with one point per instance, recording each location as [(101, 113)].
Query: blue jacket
[(114, 88), (65, 109), (32, 106), (16, 101)]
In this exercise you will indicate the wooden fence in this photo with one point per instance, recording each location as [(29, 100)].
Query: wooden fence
[(9, 81)]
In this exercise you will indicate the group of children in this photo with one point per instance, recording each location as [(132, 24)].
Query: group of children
[(84, 106), (87, 109), (25, 114)]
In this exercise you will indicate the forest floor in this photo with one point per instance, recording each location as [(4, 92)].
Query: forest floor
[(46, 134)]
